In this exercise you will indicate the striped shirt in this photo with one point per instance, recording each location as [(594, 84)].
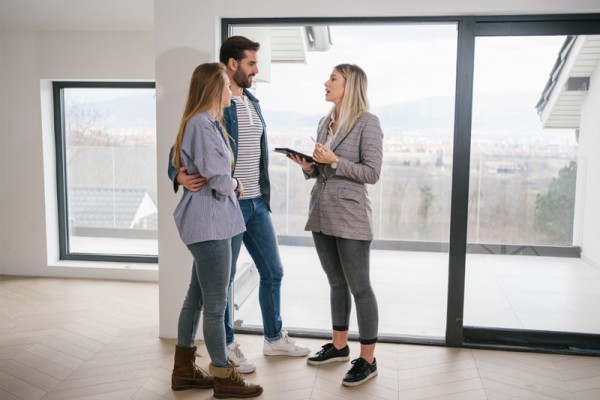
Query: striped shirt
[(250, 131), (212, 213)]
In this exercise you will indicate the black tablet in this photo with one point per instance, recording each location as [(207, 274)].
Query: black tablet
[(285, 150)]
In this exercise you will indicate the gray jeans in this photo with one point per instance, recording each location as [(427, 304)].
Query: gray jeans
[(346, 264), (207, 292)]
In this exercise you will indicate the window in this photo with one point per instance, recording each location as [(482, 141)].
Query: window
[(496, 160), (530, 104), (514, 157), (411, 201), (106, 170)]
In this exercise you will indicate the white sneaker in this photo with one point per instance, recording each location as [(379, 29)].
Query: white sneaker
[(284, 347), (235, 353)]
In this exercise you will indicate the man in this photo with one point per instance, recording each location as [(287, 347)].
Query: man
[(246, 127)]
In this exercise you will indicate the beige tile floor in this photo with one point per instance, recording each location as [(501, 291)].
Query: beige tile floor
[(63, 339)]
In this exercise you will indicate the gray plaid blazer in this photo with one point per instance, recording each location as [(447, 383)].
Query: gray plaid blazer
[(339, 202)]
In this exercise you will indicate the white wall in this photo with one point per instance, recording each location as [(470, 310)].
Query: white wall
[(27, 174), (187, 33), (589, 159)]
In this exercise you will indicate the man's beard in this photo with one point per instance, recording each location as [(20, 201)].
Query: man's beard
[(242, 80)]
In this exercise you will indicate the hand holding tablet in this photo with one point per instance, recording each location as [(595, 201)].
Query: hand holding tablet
[(287, 151)]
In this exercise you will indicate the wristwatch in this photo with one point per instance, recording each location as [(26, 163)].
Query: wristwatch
[(335, 163)]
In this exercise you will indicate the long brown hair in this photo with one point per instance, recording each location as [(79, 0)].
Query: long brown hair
[(355, 101), (206, 91)]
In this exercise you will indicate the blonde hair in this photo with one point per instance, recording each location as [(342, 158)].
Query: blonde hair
[(206, 91), (355, 101)]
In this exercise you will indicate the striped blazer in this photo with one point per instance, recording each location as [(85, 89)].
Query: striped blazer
[(339, 202)]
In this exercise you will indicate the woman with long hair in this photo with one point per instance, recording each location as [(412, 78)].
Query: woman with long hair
[(347, 155), (206, 221)]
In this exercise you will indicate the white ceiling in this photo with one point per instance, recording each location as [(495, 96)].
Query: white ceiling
[(76, 15), (138, 15)]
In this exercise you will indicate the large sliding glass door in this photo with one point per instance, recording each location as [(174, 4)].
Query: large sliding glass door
[(533, 129), (483, 214), (411, 76)]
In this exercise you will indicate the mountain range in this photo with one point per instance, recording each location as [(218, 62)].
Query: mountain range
[(492, 112), (509, 113)]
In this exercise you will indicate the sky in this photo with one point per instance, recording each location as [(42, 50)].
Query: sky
[(405, 62), (93, 95)]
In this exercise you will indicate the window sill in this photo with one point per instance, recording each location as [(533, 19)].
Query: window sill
[(105, 270)]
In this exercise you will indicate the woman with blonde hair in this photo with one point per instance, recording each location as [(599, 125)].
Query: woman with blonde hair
[(348, 155), (206, 221)]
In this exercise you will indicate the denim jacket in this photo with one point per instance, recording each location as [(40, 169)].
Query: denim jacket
[(231, 124)]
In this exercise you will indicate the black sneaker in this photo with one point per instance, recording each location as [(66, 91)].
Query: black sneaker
[(360, 372), (329, 354)]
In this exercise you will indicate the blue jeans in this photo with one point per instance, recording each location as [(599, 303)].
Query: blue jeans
[(261, 242), (208, 291)]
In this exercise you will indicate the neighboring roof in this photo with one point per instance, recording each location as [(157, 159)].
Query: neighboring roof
[(285, 44), (291, 43), (288, 44), (560, 103), (108, 208)]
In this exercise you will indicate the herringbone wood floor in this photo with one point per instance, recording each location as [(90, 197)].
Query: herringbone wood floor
[(66, 339)]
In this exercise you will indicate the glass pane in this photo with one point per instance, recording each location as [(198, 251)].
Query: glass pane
[(411, 72), (530, 94), (111, 170)]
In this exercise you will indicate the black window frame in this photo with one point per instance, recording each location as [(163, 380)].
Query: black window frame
[(469, 28), (61, 171)]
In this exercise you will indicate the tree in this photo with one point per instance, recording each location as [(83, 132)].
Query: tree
[(82, 125), (555, 209), (424, 206)]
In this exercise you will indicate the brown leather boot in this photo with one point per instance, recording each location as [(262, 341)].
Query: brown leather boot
[(186, 374), (229, 383)]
